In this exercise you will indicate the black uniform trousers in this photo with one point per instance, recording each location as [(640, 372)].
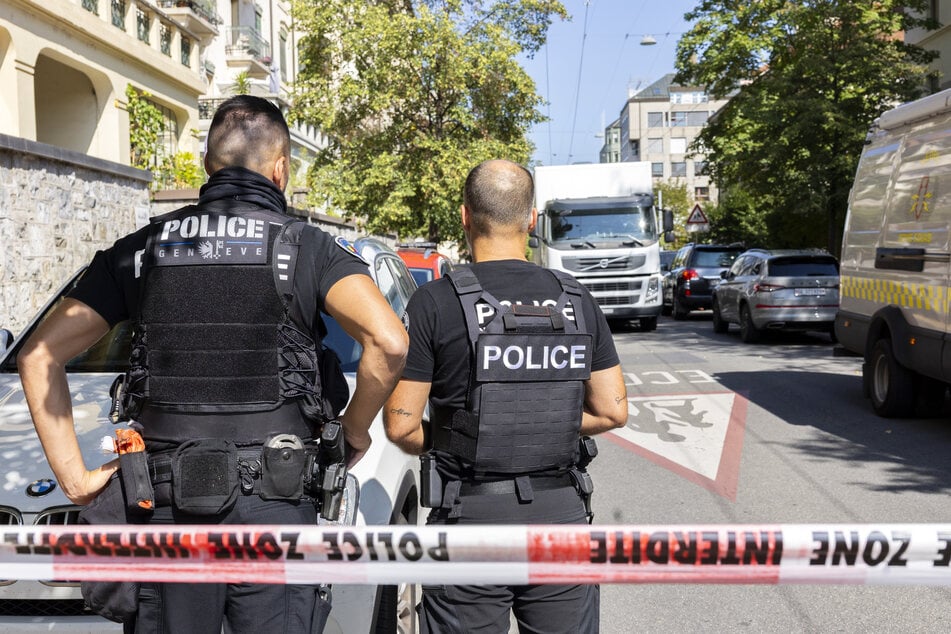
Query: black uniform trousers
[(538, 609), (206, 608)]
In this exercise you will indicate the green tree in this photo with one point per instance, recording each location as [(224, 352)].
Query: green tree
[(806, 78), (145, 126), (412, 94), (674, 196)]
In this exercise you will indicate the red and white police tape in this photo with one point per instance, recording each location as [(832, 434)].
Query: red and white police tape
[(897, 554)]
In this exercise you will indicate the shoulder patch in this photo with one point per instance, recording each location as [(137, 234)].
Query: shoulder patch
[(345, 244)]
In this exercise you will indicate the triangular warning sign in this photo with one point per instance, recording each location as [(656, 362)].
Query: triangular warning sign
[(697, 217)]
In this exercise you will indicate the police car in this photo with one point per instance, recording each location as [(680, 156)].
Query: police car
[(385, 480)]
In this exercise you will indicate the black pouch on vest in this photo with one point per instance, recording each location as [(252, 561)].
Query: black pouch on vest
[(205, 476), (136, 482), (115, 600), (282, 474)]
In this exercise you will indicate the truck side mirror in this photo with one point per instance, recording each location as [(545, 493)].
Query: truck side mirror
[(669, 236), (668, 223), (533, 241)]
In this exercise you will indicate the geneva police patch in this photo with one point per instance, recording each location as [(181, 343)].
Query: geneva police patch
[(346, 245)]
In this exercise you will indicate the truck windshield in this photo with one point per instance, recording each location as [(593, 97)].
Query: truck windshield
[(604, 227)]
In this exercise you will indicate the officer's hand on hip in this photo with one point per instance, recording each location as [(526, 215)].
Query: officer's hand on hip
[(92, 483)]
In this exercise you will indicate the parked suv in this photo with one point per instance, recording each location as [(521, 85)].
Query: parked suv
[(787, 290), (424, 262), (694, 274)]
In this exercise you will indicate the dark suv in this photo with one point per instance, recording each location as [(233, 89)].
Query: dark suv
[(694, 274)]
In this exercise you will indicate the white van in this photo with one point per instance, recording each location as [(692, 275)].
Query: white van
[(895, 259)]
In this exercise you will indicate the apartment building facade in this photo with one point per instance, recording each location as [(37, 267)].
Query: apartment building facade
[(659, 124), (256, 53), (938, 40), (65, 66)]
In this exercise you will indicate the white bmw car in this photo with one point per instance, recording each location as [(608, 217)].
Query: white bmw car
[(386, 478)]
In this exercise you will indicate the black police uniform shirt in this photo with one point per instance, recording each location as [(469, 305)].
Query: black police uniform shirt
[(439, 349)]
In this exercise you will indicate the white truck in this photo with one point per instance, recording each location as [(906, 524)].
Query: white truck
[(599, 223), (895, 276)]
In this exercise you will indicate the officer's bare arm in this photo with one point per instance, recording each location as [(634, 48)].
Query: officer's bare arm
[(69, 330), (403, 416), (360, 309), (605, 401)]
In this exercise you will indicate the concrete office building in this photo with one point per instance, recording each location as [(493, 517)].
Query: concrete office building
[(658, 124)]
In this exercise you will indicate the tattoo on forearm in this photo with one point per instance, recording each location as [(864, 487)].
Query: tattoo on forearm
[(401, 412)]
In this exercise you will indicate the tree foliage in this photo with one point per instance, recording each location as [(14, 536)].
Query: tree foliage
[(145, 126), (805, 78), (413, 93)]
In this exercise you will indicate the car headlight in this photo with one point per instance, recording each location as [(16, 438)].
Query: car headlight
[(653, 288)]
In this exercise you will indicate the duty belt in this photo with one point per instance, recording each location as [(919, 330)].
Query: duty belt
[(503, 487), (249, 464)]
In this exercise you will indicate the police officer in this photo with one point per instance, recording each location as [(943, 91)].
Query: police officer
[(224, 359), (517, 364)]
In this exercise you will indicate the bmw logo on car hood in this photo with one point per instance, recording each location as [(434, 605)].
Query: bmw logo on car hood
[(41, 487)]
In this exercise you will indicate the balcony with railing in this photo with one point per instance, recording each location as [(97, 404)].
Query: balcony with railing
[(247, 50), (198, 16)]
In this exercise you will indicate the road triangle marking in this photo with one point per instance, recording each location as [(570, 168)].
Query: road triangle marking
[(698, 436)]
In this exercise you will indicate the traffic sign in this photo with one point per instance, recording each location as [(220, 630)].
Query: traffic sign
[(697, 216)]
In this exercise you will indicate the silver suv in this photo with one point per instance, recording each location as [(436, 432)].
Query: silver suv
[(778, 290)]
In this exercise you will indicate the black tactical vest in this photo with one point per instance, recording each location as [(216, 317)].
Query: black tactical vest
[(526, 392), (214, 333)]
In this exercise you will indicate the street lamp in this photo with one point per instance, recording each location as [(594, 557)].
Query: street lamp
[(648, 40)]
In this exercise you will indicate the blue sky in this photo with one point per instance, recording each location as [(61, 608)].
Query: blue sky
[(606, 48)]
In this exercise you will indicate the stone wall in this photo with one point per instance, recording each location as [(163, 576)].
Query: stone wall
[(57, 208)]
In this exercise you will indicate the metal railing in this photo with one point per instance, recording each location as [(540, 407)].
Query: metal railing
[(203, 8), (246, 39)]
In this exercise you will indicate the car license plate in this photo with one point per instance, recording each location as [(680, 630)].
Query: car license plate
[(812, 292)]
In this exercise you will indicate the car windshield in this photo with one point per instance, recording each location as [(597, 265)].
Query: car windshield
[(604, 226), (715, 259), (803, 266)]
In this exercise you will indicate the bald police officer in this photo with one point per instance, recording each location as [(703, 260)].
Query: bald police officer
[(225, 357), (517, 364)]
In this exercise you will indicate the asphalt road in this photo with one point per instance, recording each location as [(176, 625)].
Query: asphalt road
[(722, 432)]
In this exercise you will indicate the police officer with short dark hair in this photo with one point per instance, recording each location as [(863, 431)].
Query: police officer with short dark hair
[(518, 366), (225, 379)]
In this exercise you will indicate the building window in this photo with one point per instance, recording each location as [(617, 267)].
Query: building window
[(165, 39), (678, 145), (701, 193), (283, 55), (257, 19), (655, 146), (92, 6), (118, 13), (678, 168), (143, 21), (655, 119), (697, 118), (689, 97), (700, 168), (678, 119), (657, 170), (186, 51)]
